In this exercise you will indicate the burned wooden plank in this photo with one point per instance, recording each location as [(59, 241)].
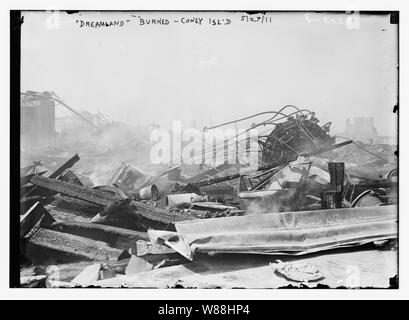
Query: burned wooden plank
[(153, 213), (57, 172), (337, 172), (27, 202), (104, 199), (72, 245), (116, 237), (333, 197), (37, 215), (74, 190), (65, 202)]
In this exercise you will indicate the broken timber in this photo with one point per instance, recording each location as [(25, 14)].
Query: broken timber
[(70, 162), (104, 199), (35, 217), (72, 245), (116, 237)]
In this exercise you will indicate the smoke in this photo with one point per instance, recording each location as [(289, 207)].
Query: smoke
[(260, 202), (259, 207)]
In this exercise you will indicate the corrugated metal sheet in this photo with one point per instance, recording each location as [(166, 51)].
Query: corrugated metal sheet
[(282, 233)]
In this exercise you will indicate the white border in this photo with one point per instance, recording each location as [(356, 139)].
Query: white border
[(171, 294)]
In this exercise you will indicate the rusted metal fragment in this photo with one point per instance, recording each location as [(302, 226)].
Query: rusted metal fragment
[(80, 247)]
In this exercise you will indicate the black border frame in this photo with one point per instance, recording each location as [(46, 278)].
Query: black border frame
[(16, 20)]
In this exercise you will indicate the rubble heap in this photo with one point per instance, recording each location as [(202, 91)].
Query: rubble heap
[(298, 197)]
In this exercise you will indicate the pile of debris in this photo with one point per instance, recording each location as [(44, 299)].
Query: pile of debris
[(296, 203)]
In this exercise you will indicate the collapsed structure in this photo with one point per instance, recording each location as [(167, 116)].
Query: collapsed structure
[(300, 200)]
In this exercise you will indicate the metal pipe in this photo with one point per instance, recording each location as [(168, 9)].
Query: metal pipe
[(178, 200)]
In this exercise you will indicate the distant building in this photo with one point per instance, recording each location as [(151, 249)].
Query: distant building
[(73, 123), (361, 129), (37, 117)]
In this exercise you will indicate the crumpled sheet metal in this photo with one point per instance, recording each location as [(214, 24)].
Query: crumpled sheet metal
[(294, 233)]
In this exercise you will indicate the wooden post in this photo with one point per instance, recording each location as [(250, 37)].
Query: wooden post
[(333, 198)]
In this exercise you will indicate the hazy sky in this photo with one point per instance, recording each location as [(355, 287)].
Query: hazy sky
[(207, 73)]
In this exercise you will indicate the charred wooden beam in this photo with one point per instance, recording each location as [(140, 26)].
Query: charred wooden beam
[(153, 213), (71, 245), (35, 217), (116, 237), (27, 202), (57, 172), (76, 191), (333, 198), (104, 199), (62, 201), (337, 172)]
